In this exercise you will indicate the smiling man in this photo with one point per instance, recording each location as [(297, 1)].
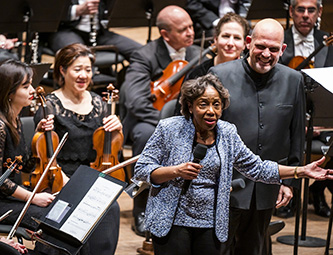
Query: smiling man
[(267, 107)]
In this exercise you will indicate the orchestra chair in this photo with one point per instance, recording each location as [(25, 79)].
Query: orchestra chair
[(28, 126), (168, 109)]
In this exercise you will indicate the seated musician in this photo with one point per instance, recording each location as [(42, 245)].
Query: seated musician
[(206, 13), (302, 40), (17, 92), (6, 45), (147, 64), (229, 39), (78, 26), (80, 112)]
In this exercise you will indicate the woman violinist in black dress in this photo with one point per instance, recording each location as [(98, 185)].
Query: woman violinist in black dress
[(17, 92)]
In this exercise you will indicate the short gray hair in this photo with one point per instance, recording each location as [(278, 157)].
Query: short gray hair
[(293, 3)]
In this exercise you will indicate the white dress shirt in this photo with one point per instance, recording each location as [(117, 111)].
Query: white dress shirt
[(84, 24), (304, 45), (176, 55)]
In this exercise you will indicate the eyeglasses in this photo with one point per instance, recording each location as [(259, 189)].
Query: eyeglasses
[(311, 10)]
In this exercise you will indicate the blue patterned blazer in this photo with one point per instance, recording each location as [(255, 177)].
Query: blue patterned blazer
[(171, 144)]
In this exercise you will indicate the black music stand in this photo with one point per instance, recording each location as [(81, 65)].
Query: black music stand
[(32, 16), (261, 9), (319, 105), (326, 17), (138, 13), (77, 210), (39, 71)]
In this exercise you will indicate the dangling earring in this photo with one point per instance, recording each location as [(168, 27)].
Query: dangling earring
[(9, 99)]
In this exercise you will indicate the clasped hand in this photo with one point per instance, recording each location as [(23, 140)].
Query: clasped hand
[(43, 199), (88, 7), (189, 170), (112, 123), (45, 124)]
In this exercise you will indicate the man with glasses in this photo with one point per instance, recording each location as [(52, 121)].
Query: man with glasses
[(304, 36), (302, 39)]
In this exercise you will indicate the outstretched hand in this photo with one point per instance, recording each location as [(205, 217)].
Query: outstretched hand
[(313, 170)]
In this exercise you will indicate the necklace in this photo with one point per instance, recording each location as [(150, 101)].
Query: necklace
[(203, 138)]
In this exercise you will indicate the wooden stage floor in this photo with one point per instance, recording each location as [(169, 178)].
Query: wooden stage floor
[(316, 227)]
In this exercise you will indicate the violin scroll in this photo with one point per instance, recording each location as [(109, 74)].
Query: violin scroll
[(17, 162), (11, 167), (111, 95)]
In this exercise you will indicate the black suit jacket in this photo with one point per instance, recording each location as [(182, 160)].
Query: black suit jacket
[(204, 12), (104, 6), (324, 57), (269, 118), (147, 64)]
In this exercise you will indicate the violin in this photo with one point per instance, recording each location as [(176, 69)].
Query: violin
[(299, 62), (43, 146), (167, 87), (108, 144), (11, 166)]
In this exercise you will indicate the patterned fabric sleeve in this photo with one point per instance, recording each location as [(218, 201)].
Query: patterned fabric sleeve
[(8, 187)]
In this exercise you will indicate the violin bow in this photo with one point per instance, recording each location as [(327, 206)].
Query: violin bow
[(121, 165), (26, 206)]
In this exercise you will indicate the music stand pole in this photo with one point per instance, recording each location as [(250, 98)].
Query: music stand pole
[(303, 240), (287, 5), (149, 16), (26, 19)]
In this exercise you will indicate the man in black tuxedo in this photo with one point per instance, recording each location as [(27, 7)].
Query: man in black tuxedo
[(77, 26), (304, 36), (302, 39), (138, 115)]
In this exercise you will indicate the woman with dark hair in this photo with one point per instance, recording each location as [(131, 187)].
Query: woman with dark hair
[(80, 112), (196, 221), (17, 92)]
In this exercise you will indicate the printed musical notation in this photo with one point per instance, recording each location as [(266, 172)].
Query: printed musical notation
[(91, 208)]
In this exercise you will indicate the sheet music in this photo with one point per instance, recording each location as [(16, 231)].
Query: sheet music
[(101, 194), (321, 75)]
